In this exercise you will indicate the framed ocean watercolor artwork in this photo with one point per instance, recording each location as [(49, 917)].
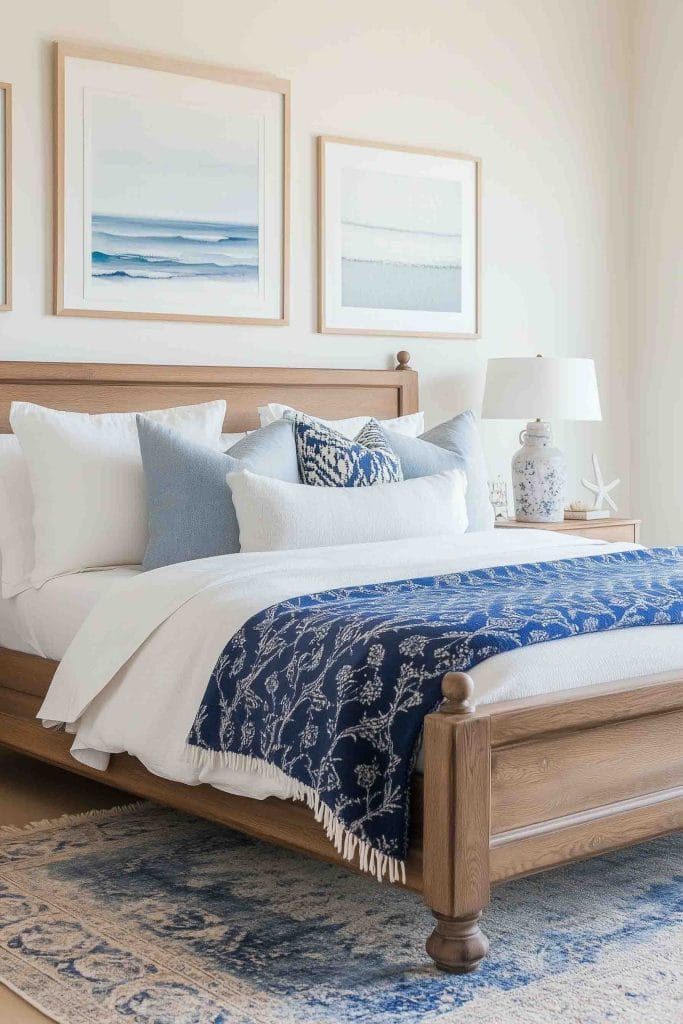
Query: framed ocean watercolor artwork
[(172, 192), (398, 240), (5, 196)]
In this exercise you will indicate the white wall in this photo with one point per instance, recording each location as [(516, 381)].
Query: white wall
[(657, 281), (537, 88)]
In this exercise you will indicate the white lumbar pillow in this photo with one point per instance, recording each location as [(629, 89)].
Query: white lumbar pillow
[(16, 518), (89, 506), (412, 425), (276, 516)]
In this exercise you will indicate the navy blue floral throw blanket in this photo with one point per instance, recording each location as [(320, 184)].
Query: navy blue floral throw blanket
[(331, 689)]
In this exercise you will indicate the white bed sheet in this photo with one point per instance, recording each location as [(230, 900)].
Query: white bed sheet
[(12, 629), (45, 621), (136, 673)]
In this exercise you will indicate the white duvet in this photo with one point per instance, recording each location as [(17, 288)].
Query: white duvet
[(134, 675)]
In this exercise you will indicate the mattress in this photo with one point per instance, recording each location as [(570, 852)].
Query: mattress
[(45, 621)]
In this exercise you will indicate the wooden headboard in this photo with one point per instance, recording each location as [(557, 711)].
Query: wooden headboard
[(115, 387)]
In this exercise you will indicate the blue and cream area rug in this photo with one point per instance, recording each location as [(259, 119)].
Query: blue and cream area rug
[(143, 916)]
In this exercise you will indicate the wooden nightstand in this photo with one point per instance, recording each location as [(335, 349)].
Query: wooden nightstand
[(598, 529)]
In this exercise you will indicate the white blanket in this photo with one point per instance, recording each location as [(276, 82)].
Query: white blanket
[(134, 676)]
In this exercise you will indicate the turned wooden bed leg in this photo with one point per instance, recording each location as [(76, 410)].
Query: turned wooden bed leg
[(457, 944), (457, 796)]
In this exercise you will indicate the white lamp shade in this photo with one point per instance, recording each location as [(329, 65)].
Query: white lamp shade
[(525, 388)]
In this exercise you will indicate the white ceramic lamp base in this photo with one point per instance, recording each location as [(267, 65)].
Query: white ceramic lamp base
[(539, 476)]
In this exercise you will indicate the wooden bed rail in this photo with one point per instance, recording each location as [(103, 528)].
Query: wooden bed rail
[(283, 822)]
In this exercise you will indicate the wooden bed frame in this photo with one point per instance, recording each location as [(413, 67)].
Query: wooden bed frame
[(508, 789)]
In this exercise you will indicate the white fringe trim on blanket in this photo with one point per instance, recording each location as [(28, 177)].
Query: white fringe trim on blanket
[(373, 862)]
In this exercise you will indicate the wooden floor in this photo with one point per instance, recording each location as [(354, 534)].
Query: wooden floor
[(31, 791)]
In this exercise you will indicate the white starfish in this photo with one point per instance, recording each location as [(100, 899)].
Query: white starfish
[(600, 489)]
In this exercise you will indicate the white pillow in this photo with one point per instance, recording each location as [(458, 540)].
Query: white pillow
[(412, 425), (88, 485), (274, 515), (16, 518)]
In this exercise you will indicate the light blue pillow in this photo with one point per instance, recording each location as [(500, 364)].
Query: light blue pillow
[(455, 444), (189, 506), (269, 452), (328, 459)]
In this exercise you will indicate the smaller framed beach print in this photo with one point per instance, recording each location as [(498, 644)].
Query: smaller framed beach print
[(172, 189), (5, 197), (398, 240)]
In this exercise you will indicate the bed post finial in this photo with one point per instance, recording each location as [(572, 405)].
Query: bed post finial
[(458, 689), (403, 358)]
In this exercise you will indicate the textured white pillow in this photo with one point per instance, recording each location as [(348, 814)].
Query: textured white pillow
[(275, 516), (88, 485), (411, 425), (16, 518)]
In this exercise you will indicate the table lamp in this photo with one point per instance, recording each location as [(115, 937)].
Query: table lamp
[(549, 388)]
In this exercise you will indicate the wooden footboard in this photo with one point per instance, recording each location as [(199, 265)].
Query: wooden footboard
[(516, 787)]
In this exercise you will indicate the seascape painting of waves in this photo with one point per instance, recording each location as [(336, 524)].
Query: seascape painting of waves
[(174, 221), (156, 249), (401, 242)]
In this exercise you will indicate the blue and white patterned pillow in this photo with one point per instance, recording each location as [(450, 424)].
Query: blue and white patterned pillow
[(328, 459)]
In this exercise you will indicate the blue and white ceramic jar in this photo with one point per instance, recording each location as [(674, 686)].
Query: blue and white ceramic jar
[(539, 476)]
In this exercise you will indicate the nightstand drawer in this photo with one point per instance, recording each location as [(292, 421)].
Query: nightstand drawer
[(598, 529), (614, 532)]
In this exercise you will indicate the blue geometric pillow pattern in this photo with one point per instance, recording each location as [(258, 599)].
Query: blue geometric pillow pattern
[(328, 459)]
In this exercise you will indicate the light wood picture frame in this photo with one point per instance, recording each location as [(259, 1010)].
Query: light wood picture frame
[(399, 240), (5, 197), (172, 189)]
